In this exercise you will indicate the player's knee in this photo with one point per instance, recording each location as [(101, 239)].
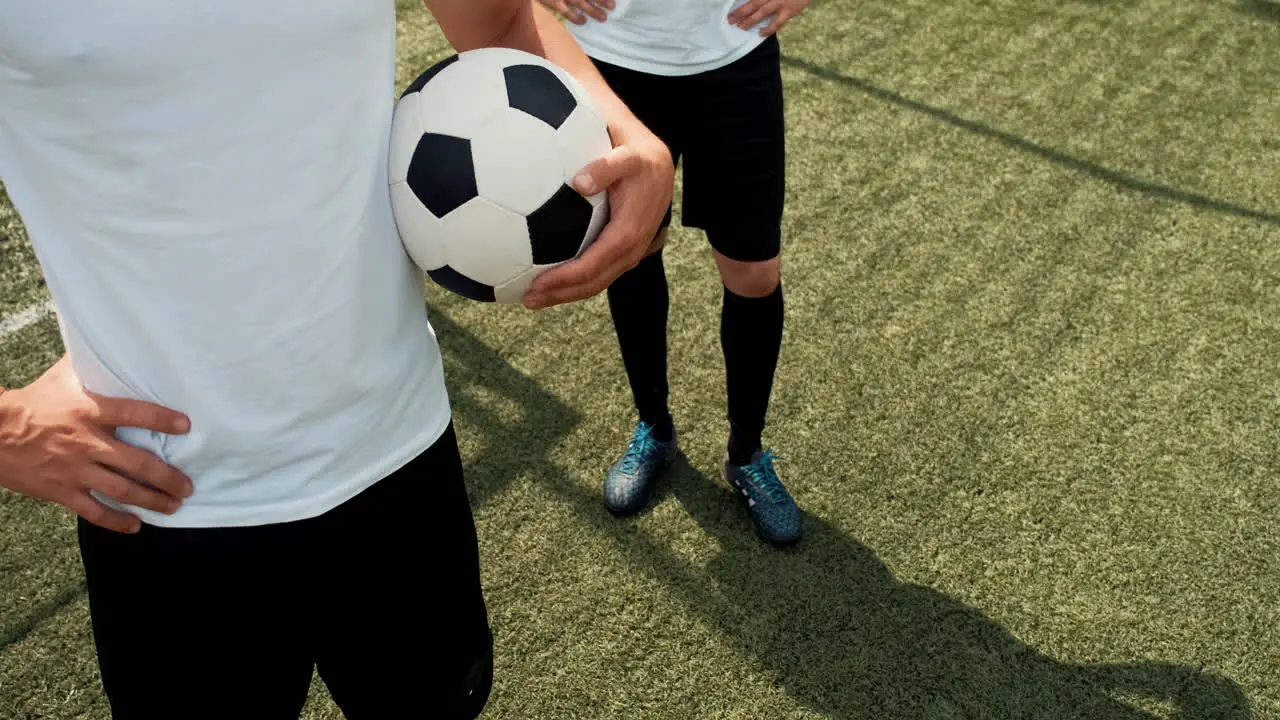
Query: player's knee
[(749, 279)]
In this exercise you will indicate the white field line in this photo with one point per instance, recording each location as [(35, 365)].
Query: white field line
[(24, 318)]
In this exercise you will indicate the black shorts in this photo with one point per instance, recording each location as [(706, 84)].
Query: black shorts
[(381, 595), (727, 127)]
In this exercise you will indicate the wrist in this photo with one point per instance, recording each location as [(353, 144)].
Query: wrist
[(10, 406), (623, 126), (8, 413), (6, 406)]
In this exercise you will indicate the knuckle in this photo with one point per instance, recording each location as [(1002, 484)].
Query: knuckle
[(143, 415), (176, 481), (114, 521), (166, 477), (117, 414), (121, 490), (110, 484), (134, 494), (84, 414), (145, 466), (97, 447), (151, 417)]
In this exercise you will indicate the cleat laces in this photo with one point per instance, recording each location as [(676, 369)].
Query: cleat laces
[(763, 476), (639, 451)]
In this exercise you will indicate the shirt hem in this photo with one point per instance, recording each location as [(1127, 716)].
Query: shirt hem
[(668, 69), (293, 511)]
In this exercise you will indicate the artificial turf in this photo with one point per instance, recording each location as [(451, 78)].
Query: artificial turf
[(1028, 397)]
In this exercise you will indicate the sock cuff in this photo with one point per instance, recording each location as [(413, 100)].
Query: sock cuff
[(732, 297)]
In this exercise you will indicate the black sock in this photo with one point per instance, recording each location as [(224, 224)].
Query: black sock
[(638, 302), (751, 337)]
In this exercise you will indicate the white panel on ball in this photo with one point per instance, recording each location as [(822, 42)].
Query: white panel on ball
[(406, 130), (512, 291), (421, 233), (487, 243), (439, 109), (582, 139), (517, 161)]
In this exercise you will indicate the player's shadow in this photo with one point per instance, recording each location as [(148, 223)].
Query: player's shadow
[(1261, 8), (835, 628), (481, 383), (15, 630), (848, 639)]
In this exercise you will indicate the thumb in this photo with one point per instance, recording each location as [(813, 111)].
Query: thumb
[(606, 170)]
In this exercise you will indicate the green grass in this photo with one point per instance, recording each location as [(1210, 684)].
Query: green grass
[(1029, 397)]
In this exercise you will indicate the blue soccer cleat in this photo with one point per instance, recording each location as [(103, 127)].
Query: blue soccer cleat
[(773, 511), (628, 485)]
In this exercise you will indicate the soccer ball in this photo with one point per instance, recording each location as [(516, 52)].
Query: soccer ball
[(483, 147)]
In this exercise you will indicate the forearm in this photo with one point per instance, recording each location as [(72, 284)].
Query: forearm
[(536, 30)]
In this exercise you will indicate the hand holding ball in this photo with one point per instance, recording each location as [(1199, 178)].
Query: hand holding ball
[(483, 148)]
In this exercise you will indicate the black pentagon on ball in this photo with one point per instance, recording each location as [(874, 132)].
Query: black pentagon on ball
[(422, 80), (455, 281), (557, 229), (537, 91), (441, 173)]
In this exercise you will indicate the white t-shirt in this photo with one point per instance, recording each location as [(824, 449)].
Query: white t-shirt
[(205, 187), (668, 37)]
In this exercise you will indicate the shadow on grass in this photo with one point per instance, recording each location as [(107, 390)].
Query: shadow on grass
[(1264, 9), (15, 632), (1094, 170), (832, 625), (508, 448), (848, 639)]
